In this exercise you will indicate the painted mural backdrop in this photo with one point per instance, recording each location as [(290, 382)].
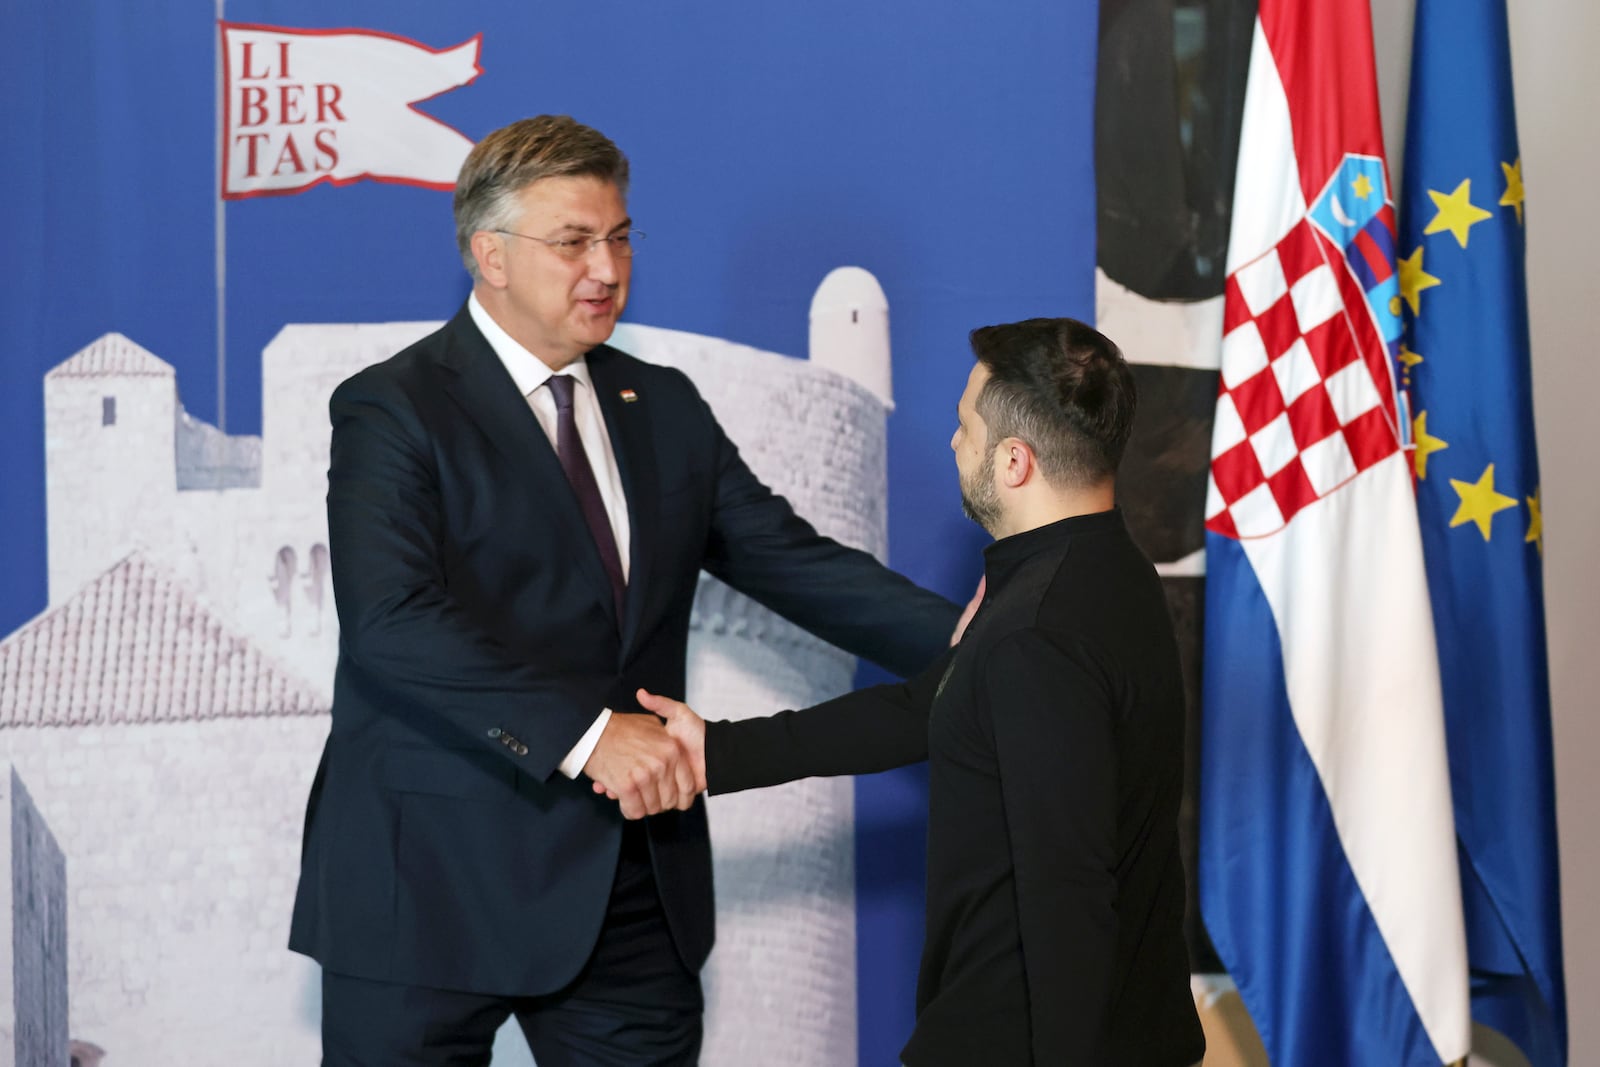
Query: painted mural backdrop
[(214, 212)]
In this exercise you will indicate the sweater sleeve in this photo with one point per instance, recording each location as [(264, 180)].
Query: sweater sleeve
[(1054, 735), (869, 730)]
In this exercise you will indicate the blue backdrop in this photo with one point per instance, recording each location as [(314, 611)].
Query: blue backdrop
[(945, 147)]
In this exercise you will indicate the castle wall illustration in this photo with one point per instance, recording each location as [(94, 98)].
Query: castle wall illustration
[(33, 933), (167, 708)]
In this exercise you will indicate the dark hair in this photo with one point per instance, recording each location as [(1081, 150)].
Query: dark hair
[(513, 157), (1064, 389)]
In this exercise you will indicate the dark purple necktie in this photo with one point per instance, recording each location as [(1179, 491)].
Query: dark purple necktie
[(575, 461)]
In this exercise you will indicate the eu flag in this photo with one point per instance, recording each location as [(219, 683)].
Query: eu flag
[(1465, 362)]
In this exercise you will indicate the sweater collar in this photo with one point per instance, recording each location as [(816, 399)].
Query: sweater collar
[(1005, 557)]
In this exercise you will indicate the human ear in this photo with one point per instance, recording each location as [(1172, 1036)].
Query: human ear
[(1017, 462), (489, 251)]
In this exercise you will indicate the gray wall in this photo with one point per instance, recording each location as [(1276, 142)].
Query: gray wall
[(1558, 84)]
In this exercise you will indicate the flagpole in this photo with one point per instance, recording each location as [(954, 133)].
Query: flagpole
[(220, 266)]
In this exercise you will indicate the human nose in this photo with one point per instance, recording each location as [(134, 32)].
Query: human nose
[(603, 262)]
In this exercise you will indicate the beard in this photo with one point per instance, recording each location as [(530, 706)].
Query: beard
[(980, 500)]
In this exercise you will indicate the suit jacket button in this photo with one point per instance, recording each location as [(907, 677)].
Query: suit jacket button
[(522, 750), (494, 731)]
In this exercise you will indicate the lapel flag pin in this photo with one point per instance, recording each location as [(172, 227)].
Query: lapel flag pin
[(628, 396)]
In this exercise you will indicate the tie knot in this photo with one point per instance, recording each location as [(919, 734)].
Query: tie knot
[(561, 386)]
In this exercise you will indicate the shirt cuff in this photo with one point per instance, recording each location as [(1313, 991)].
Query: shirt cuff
[(572, 766)]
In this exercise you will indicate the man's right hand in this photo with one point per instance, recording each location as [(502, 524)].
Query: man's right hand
[(638, 764), (686, 726)]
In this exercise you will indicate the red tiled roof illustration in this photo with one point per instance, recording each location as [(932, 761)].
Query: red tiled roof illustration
[(135, 646), (113, 354)]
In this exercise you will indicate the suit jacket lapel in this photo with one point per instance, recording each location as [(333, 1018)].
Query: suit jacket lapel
[(484, 389), (628, 423)]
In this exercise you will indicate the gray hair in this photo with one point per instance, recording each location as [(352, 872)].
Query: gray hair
[(510, 159)]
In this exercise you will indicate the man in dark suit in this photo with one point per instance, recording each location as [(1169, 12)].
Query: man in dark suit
[(1053, 732), (517, 517)]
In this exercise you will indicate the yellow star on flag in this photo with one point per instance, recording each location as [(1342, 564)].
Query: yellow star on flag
[(1362, 186), (1457, 212), (1408, 357), (1514, 194), (1535, 522), (1479, 501), (1413, 279), (1426, 445)]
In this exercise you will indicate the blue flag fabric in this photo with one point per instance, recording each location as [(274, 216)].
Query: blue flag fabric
[(1467, 357)]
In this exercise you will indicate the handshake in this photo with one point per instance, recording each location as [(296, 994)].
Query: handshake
[(648, 766)]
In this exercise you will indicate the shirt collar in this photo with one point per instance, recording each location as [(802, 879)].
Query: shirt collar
[(525, 368)]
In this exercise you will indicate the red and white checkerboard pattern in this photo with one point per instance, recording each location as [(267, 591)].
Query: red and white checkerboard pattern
[(1298, 412)]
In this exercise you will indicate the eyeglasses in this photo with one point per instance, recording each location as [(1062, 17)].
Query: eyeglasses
[(576, 248)]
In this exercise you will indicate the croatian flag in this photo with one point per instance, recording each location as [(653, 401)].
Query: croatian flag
[(1328, 877)]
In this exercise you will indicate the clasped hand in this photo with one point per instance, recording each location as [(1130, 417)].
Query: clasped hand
[(649, 765)]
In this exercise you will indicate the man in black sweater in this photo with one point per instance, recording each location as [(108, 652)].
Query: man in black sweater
[(1054, 735)]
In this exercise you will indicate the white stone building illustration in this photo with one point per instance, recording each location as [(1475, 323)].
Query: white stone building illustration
[(166, 710)]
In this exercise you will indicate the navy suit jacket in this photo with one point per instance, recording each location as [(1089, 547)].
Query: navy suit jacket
[(478, 641)]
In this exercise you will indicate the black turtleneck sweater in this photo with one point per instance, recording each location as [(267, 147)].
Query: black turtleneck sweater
[(1054, 738)]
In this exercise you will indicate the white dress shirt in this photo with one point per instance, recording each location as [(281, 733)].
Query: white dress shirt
[(531, 373)]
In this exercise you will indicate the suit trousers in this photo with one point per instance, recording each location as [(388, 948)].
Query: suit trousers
[(634, 1002)]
